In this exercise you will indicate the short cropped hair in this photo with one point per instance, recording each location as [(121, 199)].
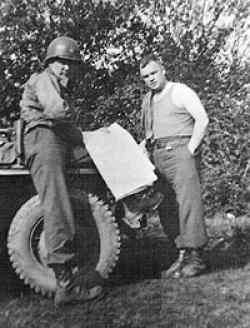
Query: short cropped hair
[(149, 58)]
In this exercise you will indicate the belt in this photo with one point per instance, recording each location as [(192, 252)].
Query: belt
[(170, 143)]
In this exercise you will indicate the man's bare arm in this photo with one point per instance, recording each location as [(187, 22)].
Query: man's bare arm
[(186, 97)]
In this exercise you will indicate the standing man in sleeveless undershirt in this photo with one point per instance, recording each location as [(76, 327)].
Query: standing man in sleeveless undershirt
[(174, 122)]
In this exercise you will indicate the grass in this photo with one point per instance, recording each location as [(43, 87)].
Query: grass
[(136, 297)]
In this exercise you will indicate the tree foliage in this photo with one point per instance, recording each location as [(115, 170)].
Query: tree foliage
[(202, 43)]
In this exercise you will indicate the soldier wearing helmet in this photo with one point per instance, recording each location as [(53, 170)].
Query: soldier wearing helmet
[(63, 48), (47, 96), (50, 136)]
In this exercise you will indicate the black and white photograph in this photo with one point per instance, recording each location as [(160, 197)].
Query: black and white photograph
[(125, 163)]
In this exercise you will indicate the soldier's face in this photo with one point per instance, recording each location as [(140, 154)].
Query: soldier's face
[(64, 69), (153, 75)]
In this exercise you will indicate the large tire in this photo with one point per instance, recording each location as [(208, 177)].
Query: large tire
[(26, 239)]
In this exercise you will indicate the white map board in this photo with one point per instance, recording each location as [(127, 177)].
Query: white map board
[(119, 159)]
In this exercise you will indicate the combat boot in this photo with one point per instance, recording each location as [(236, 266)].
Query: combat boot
[(194, 264), (188, 264), (174, 271), (70, 288)]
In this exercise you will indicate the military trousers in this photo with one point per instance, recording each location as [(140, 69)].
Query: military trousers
[(181, 212), (47, 156)]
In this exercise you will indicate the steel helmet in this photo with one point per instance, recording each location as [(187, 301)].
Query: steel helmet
[(63, 47)]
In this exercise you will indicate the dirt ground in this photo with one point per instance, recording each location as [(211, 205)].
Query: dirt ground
[(137, 297)]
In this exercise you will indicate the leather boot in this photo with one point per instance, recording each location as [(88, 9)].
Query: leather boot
[(194, 264), (174, 271), (188, 264), (69, 287)]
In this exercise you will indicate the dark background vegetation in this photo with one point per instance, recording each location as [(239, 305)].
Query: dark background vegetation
[(203, 43)]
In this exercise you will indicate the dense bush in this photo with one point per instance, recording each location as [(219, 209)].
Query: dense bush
[(199, 42)]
